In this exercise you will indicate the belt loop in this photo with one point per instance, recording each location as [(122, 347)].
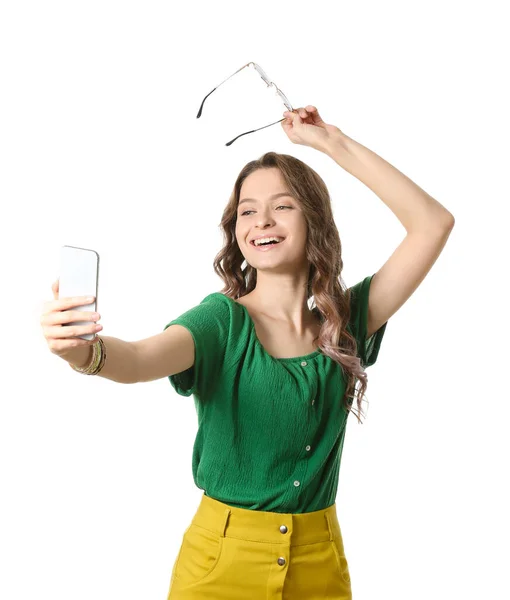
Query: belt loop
[(224, 522), (331, 537)]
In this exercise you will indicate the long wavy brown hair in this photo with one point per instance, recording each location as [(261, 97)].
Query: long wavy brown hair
[(324, 253)]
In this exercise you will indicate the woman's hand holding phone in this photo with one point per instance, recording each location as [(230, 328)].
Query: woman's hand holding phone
[(56, 315)]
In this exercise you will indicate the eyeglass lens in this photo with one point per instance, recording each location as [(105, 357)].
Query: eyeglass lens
[(262, 74)]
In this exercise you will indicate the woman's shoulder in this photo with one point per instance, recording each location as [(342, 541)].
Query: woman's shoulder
[(219, 298)]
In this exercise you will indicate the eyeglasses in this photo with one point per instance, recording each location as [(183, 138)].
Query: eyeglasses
[(267, 82)]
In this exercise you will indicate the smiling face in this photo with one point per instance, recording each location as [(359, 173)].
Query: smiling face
[(261, 213)]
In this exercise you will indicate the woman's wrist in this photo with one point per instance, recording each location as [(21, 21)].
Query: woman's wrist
[(79, 357)]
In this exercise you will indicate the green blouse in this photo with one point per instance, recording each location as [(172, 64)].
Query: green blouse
[(270, 430)]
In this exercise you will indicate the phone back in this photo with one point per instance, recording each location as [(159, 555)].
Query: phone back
[(79, 275)]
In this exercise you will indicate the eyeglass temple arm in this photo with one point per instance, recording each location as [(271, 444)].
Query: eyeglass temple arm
[(252, 131), (202, 105)]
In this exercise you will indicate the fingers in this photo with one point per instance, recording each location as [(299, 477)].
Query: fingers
[(296, 115), (68, 316), (57, 311), (314, 114), (60, 333), (60, 324), (305, 113), (308, 114), (67, 303)]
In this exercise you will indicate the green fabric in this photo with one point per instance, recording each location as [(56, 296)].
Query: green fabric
[(257, 414)]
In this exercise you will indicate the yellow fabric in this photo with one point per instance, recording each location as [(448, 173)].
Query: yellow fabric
[(228, 553)]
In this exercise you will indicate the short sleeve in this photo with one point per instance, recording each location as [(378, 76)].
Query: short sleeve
[(368, 350), (209, 325)]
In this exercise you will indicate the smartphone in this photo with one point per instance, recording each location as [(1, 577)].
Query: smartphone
[(79, 276)]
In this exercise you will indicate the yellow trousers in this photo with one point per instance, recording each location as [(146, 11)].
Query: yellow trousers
[(229, 553)]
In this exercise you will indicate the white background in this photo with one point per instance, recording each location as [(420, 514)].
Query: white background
[(101, 148)]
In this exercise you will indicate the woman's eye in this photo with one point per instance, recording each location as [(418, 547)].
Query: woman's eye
[(248, 211)]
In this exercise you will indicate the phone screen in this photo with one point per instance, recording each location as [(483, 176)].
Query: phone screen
[(79, 275)]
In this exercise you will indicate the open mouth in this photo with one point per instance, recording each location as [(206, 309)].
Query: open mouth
[(266, 244)]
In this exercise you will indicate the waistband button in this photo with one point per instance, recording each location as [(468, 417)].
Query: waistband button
[(283, 528), (281, 561)]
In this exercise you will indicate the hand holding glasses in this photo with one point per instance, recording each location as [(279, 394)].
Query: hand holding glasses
[(267, 82)]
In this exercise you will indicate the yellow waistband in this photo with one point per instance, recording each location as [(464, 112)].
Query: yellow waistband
[(269, 527)]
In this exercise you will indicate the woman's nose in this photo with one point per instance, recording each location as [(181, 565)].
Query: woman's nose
[(264, 218)]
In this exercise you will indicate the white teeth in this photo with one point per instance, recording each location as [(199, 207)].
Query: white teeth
[(268, 239)]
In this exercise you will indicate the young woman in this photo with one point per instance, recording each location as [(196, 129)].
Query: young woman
[(273, 379)]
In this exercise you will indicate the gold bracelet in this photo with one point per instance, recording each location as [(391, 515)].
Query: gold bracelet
[(102, 358), (96, 357)]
